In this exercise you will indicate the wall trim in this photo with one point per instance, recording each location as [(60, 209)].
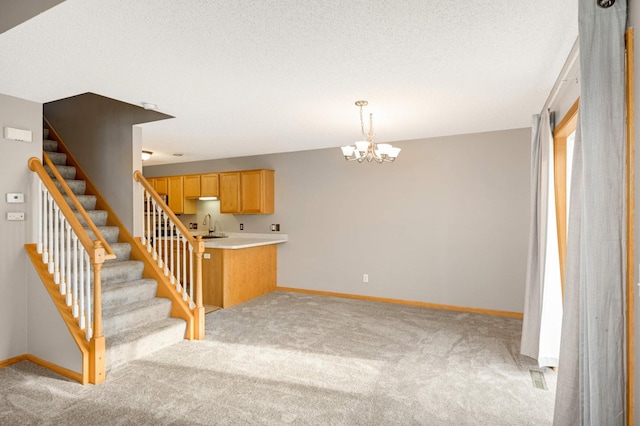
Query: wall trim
[(65, 372), (405, 302)]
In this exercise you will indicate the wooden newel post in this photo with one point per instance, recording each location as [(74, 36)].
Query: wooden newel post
[(97, 362), (198, 312)]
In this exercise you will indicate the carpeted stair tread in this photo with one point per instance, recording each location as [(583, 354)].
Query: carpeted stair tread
[(142, 341), (110, 233), (49, 145), (88, 202), (78, 187), (118, 318), (121, 250), (128, 292), (121, 271), (58, 158), (99, 217), (67, 172)]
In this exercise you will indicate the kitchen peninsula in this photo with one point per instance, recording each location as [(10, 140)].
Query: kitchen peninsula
[(239, 267)]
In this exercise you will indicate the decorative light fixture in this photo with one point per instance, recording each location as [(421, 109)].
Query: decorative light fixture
[(367, 149), (146, 155)]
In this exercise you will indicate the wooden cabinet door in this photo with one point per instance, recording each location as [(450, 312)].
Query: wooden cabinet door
[(192, 186), (161, 185), (230, 192), (257, 191), (209, 185), (176, 196)]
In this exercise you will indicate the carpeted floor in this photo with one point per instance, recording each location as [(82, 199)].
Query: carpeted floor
[(289, 358)]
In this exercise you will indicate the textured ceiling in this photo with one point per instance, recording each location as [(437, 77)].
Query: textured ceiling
[(252, 77)]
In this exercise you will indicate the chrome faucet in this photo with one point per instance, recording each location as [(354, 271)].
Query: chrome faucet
[(205, 222)]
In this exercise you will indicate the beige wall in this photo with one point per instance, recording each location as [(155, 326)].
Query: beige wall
[(446, 223)]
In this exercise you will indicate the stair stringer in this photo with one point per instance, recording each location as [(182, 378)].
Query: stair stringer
[(179, 308)]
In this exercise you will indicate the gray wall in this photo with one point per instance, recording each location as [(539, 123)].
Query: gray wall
[(16, 177), (446, 223), (98, 132)]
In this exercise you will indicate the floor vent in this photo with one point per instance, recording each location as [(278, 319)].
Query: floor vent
[(537, 377)]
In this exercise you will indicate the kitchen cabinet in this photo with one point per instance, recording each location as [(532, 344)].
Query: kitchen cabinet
[(230, 192), (177, 202), (160, 184), (230, 277), (209, 185), (191, 186), (247, 192)]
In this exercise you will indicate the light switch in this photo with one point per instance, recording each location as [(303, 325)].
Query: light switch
[(15, 197), (207, 255), (15, 215)]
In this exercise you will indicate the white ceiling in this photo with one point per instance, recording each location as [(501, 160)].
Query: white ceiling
[(252, 77)]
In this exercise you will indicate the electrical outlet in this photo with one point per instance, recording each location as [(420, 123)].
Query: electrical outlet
[(195, 225), (365, 278), (273, 227), (242, 226)]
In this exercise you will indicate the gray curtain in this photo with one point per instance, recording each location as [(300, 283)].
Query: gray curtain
[(591, 374), (543, 297)]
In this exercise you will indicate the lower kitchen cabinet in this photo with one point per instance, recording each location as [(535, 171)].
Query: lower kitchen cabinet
[(233, 276)]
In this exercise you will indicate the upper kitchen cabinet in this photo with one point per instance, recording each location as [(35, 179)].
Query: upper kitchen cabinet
[(247, 192), (230, 192), (192, 186), (177, 201), (257, 188), (209, 185), (160, 184)]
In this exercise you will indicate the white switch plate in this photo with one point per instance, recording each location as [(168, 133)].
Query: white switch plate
[(15, 215), (207, 256), (15, 197), (18, 134)]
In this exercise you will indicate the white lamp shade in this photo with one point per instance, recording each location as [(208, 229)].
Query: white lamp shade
[(393, 152), (146, 155), (347, 151), (362, 146), (383, 148)]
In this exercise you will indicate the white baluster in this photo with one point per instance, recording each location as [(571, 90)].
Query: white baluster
[(191, 280), (50, 234), (156, 213), (74, 288), (40, 217), (56, 245), (45, 230), (143, 238), (89, 299), (68, 259), (166, 244), (64, 254), (184, 263), (173, 261), (80, 297)]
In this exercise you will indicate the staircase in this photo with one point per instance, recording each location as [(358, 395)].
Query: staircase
[(134, 321)]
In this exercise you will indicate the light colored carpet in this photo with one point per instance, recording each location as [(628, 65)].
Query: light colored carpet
[(289, 358)]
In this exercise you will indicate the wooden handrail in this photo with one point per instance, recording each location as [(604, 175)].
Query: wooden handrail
[(107, 248), (36, 166), (138, 177)]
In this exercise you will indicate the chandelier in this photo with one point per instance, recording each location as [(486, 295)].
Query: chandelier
[(367, 149)]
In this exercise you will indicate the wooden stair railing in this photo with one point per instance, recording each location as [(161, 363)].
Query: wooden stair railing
[(168, 243), (107, 248), (59, 232)]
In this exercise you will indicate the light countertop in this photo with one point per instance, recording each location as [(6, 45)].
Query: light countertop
[(245, 240)]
